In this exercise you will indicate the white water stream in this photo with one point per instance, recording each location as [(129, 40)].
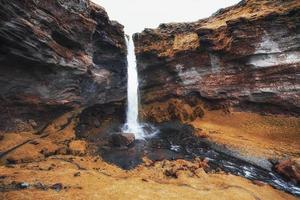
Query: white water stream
[(132, 124), (140, 131)]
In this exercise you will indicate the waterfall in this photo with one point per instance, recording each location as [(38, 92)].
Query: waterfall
[(132, 124)]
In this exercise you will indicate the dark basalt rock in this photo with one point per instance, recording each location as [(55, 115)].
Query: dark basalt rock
[(122, 139), (56, 56), (57, 187)]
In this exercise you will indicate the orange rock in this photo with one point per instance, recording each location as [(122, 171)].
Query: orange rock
[(78, 147), (172, 109)]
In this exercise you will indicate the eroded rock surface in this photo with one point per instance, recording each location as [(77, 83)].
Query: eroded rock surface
[(56, 56), (290, 168), (245, 56)]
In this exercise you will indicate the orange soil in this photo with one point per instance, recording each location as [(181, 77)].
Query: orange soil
[(98, 180), (255, 10), (254, 134)]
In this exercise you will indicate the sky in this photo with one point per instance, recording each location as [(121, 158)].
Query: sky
[(136, 15)]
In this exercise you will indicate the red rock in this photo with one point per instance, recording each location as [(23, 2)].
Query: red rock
[(290, 168)]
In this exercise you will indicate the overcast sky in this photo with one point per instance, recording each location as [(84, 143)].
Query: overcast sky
[(136, 15)]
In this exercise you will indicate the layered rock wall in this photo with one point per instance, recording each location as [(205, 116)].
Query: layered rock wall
[(246, 56), (55, 56)]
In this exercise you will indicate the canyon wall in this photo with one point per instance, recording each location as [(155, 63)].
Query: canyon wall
[(245, 57), (57, 56)]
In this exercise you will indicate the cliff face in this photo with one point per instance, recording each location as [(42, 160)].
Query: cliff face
[(246, 56), (55, 56)]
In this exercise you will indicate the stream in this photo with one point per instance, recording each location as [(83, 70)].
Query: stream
[(177, 141)]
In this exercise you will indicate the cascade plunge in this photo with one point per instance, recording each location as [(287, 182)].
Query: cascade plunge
[(132, 124)]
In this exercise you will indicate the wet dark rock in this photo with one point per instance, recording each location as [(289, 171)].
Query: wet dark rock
[(40, 186), (97, 123), (3, 177), (77, 174), (23, 185), (122, 139), (57, 187), (100, 120), (34, 142), (22, 125), (48, 152), (32, 123)]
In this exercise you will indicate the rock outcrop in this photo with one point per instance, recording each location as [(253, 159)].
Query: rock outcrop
[(56, 56), (246, 56), (290, 168)]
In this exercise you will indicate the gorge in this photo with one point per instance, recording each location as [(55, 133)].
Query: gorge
[(213, 104)]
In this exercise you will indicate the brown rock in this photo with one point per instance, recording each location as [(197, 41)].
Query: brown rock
[(290, 168), (259, 183), (57, 187), (172, 109), (77, 174), (198, 112), (68, 50), (179, 167), (238, 57), (122, 139)]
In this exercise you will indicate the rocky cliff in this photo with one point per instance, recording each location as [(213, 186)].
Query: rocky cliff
[(245, 57), (55, 56)]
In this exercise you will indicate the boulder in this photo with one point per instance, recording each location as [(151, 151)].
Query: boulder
[(122, 139), (290, 168)]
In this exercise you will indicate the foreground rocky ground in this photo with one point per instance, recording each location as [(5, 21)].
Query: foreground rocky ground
[(56, 165), (71, 177)]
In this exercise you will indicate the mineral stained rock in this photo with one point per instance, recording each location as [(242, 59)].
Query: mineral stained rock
[(246, 56), (55, 56), (290, 168)]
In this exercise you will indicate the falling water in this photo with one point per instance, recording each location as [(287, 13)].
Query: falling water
[(140, 130), (132, 124)]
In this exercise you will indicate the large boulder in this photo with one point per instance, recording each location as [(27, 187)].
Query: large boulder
[(122, 139)]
